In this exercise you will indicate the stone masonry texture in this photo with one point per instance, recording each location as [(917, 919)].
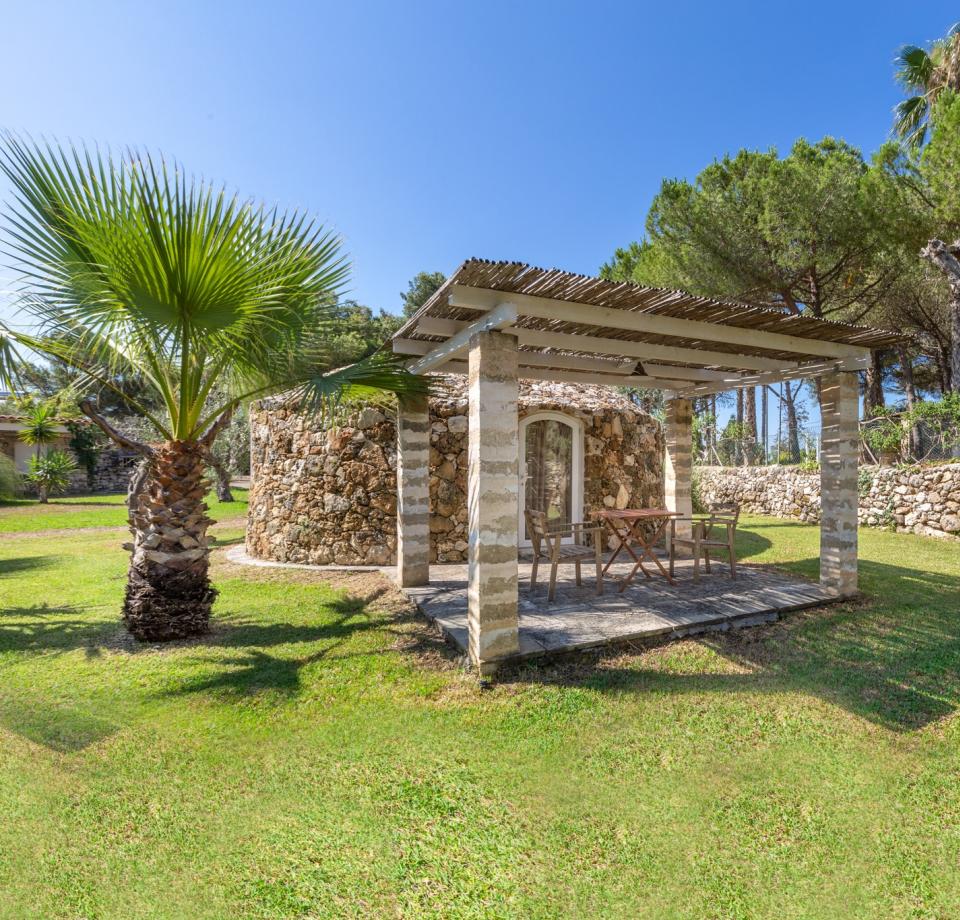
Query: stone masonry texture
[(909, 499), (327, 496)]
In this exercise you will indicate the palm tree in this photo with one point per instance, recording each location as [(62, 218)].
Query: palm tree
[(927, 75), (39, 426), (129, 266)]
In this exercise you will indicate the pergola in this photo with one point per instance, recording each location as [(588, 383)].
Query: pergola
[(501, 321)]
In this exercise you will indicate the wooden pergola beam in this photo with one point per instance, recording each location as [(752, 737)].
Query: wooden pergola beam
[(500, 316), (532, 358), (684, 373), (610, 318), (808, 369), (565, 341), (591, 344), (562, 376)]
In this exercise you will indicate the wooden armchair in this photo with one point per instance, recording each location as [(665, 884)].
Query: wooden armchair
[(715, 532), (549, 546)]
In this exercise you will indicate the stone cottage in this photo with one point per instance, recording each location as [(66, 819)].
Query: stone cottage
[(329, 495)]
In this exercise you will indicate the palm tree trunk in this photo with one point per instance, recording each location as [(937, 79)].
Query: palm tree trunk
[(169, 595)]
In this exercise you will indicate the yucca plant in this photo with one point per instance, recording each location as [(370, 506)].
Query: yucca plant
[(50, 473), (130, 266)]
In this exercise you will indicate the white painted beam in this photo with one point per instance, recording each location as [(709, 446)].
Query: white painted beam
[(433, 325), (497, 318), (609, 317), (634, 350), (537, 359), (684, 373), (564, 376), (412, 347), (808, 369), (566, 341)]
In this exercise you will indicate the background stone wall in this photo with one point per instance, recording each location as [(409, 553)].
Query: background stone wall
[(112, 473), (916, 499), (329, 496)]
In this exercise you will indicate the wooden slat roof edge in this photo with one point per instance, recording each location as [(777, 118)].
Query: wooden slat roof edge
[(535, 279)]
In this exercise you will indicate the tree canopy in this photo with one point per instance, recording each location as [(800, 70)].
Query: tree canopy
[(421, 288), (796, 232)]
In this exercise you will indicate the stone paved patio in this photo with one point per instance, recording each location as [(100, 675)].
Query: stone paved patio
[(579, 619)]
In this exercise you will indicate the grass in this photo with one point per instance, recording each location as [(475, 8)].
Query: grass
[(320, 754), (24, 515)]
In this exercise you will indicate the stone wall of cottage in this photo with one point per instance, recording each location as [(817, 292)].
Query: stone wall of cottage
[(915, 499), (328, 496)]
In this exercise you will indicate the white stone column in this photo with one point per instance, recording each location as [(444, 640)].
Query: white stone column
[(678, 462), (493, 493), (413, 491), (839, 413)]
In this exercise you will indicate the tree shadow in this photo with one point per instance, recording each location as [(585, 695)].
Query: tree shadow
[(63, 503), (892, 658), (42, 628), (62, 728), (45, 628), (254, 670), (17, 564), (216, 541), (750, 544)]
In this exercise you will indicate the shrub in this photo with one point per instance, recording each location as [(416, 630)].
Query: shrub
[(696, 496), (51, 473), (86, 442), (9, 480)]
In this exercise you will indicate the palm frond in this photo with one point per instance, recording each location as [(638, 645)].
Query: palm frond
[(128, 263), (910, 120), (915, 68), (373, 379), (10, 361)]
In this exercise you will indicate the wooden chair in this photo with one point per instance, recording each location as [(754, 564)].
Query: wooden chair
[(549, 546), (705, 536)]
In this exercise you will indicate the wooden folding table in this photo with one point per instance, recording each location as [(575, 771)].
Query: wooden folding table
[(642, 528)]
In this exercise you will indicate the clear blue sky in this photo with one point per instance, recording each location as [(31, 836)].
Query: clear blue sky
[(429, 132)]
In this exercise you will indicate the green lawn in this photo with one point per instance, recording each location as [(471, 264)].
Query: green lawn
[(321, 754), (77, 512)]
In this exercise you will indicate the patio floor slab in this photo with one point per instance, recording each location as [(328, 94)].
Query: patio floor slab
[(649, 608)]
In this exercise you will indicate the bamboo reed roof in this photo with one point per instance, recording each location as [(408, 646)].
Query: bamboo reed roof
[(519, 278)]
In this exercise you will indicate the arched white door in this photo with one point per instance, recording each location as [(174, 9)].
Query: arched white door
[(551, 469)]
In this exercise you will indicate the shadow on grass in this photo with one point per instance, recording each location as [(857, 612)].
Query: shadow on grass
[(216, 541), (61, 728), (893, 658), (19, 564), (64, 503), (254, 670), (46, 628)]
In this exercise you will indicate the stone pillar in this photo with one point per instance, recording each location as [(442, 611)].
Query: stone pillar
[(413, 491), (493, 492), (839, 412), (678, 463)]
